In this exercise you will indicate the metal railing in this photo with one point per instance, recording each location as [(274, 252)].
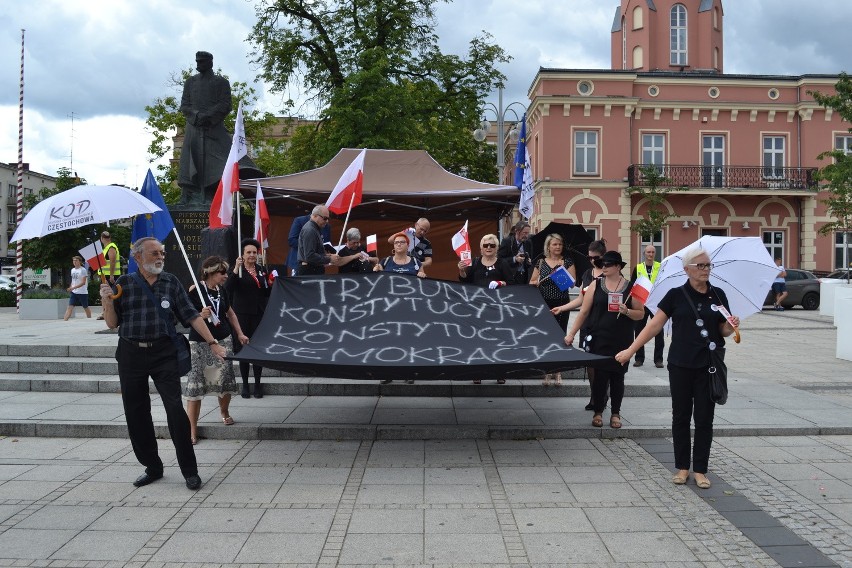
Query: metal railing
[(729, 177)]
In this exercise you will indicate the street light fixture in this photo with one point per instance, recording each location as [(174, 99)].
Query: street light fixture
[(500, 113)]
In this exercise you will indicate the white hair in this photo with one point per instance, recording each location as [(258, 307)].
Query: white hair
[(692, 254)]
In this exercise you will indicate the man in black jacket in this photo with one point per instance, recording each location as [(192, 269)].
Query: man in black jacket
[(517, 249)]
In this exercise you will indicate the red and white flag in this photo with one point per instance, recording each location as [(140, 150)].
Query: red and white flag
[(222, 208), (94, 255), (347, 192), (461, 244), (641, 288), (371, 244), (261, 219)]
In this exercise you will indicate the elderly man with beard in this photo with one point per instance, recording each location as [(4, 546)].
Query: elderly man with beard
[(145, 349)]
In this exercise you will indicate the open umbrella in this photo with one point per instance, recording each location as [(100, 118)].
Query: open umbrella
[(80, 206), (576, 244), (741, 267)]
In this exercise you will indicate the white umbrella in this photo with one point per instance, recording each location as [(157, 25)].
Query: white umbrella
[(80, 206), (742, 268)]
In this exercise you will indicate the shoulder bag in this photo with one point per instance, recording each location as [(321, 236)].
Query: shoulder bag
[(716, 369), (181, 343)]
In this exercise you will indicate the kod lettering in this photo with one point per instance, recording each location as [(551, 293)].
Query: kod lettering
[(70, 210)]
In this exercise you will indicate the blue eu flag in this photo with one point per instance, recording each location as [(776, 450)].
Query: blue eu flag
[(521, 154), (157, 225), (562, 278)]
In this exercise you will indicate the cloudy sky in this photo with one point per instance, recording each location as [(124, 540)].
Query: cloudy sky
[(102, 61)]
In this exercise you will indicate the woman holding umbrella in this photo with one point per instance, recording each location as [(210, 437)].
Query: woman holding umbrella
[(611, 313), (487, 270), (688, 360), (553, 296)]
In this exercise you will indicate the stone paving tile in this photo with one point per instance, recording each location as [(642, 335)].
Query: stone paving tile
[(295, 521), (548, 520), (68, 517), (134, 518), (461, 521), (385, 521), (393, 476), (101, 545), (473, 548)]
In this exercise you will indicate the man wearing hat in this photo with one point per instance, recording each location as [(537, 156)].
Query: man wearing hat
[(205, 103)]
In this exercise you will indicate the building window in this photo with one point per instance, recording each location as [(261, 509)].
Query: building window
[(678, 35), (585, 88), (13, 190), (773, 156), (844, 144), (653, 90), (623, 43), (842, 250), (713, 92), (637, 18), (638, 57), (713, 160), (656, 241), (592, 232), (716, 23), (585, 152), (774, 243), (654, 150), (773, 94)]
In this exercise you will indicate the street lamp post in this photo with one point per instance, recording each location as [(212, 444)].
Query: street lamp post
[(500, 112)]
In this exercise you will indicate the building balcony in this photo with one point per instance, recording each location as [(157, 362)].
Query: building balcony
[(730, 177)]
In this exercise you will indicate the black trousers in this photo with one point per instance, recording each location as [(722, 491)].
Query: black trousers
[(612, 379), (248, 324), (690, 389), (135, 365), (309, 269), (659, 340)]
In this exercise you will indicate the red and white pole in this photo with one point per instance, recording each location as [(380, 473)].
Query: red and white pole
[(19, 216)]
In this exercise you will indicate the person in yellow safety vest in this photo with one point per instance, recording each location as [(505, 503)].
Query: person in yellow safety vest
[(112, 269), (648, 268)]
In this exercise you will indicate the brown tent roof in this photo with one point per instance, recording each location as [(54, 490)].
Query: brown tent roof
[(396, 184)]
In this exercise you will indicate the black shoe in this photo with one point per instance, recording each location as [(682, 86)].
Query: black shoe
[(590, 406), (638, 363), (659, 364), (245, 393), (147, 478), (193, 482), (258, 391)]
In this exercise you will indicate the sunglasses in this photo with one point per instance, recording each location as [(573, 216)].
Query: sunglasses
[(592, 258), (609, 264), (488, 246)]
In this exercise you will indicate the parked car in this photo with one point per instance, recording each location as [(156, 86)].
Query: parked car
[(6, 283), (802, 290), (842, 274)]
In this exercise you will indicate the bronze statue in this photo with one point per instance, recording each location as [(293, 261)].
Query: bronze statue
[(205, 103)]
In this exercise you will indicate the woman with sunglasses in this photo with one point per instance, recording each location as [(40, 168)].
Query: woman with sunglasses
[(611, 315), (596, 251), (400, 262), (249, 288), (210, 374), (487, 270), (553, 296), (688, 360)]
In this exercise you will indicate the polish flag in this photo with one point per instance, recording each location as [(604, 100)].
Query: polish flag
[(641, 288), (461, 244), (94, 255), (347, 192), (222, 208), (371, 244), (261, 219)]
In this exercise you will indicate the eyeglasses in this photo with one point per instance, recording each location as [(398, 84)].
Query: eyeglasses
[(400, 242), (608, 264), (488, 245), (323, 217), (701, 265)]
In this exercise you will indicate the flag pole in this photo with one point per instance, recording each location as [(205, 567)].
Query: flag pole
[(19, 194), (189, 265), (239, 230), (346, 221)]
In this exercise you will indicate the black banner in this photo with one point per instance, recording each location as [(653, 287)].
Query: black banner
[(398, 326)]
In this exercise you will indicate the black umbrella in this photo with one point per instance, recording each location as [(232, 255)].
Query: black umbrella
[(575, 244)]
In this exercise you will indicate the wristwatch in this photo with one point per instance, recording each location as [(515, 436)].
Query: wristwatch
[(214, 342)]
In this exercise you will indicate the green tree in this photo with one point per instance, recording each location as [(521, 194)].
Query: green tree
[(838, 174), (656, 190), (165, 120), (375, 71), (54, 251)]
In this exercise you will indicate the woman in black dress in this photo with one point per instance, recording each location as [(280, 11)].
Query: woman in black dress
[(487, 270), (248, 288), (611, 312)]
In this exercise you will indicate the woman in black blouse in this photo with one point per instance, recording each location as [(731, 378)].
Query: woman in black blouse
[(689, 359), (210, 374), (611, 313), (487, 270), (248, 288)]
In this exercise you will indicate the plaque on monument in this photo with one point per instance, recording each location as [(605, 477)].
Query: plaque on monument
[(189, 223)]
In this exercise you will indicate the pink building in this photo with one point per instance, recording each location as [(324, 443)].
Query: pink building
[(744, 146)]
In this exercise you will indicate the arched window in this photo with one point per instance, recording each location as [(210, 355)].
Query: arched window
[(678, 35), (623, 43), (637, 57), (716, 58), (717, 23), (637, 18)]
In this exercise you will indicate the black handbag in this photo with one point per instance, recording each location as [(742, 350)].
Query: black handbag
[(717, 370), (179, 340)]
